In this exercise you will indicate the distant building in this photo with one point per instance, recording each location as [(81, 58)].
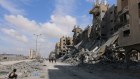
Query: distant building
[(32, 54), (62, 47)]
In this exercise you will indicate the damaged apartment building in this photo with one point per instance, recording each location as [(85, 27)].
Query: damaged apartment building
[(129, 14), (63, 46), (115, 26)]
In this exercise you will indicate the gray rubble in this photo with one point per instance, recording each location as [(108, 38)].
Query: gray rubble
[(24, 69)]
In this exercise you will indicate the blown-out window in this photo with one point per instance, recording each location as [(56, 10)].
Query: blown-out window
[(124, 18), (139, 8), (126, 33), (139, 5)]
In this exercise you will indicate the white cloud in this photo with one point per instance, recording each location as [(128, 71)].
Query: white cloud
[(23, 23), (60, 24), (57, 27), (64, 7), (64, 20), (15, 34), (12, 8)]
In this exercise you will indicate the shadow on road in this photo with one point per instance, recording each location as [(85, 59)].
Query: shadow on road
[(62, 72), (80, 72)]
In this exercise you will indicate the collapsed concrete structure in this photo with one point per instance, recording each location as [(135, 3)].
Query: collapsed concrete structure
[(114, 34)]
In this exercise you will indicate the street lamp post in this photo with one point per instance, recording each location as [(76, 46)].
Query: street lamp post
[(37, 36)]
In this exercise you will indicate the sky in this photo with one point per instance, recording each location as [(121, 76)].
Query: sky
[(21, 19)]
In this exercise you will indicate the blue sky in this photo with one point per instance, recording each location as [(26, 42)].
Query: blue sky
[(20, 19)]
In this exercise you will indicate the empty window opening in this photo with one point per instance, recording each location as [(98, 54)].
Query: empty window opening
[(124, 18), (111, 12), (111, 29), (103, 34), (103, 10), (68, 42), (111, 20), (139, 8), (139, 5), (126, 33)]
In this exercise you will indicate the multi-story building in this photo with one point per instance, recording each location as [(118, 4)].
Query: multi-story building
[(108, 24), (77, 35), (129, 14), (32, 54), (98, 13), (62, 47), (121, 20), (129, 19)]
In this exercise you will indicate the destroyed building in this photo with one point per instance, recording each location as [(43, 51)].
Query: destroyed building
[(77, 35), (115, 27), (129, 16), (63, 47)]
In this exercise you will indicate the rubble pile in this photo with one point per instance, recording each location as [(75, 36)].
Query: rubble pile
[(24, 69), (111, 42)]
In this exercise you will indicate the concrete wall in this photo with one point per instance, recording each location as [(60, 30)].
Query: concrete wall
[(130, 33), (108, 23), (77, 35), (122, 4), (99, 9)]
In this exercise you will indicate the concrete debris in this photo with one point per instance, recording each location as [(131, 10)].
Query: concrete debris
[(24, 69), (112, 37)]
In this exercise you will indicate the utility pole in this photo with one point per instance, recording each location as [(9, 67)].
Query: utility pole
[(37, 36)]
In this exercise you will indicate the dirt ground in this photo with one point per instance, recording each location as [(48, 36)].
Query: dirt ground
[(66, 71)]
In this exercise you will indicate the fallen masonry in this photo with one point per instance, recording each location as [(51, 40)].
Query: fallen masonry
[(112, 39), (24, 69)]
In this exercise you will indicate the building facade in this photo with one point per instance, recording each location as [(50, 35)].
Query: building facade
[(129, 16), (62, 47)]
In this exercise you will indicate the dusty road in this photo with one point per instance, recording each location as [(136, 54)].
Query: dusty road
[(66, 71), (62, 71), (13, 62)]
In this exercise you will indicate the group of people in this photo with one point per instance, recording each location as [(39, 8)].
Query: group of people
[(52, 58)]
